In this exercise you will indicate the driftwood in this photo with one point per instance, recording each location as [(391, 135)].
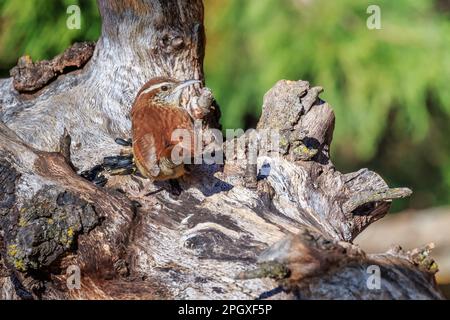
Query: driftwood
[(282, 229), (411, 229)]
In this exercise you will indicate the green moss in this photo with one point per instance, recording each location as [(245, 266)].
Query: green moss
[(67, 238), (273, 270)]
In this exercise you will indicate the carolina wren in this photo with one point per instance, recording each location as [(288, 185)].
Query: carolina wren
[(155, 114)]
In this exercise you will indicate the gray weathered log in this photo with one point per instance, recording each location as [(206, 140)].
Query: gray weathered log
[(295, 220)]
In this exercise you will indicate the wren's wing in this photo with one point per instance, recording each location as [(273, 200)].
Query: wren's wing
[(145, 155), (154, 132)]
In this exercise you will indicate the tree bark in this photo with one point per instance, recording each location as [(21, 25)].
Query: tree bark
[(283, 233)]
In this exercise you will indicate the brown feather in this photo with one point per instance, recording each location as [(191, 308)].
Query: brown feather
[(152, 128)]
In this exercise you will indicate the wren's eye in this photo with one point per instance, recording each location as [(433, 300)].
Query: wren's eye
[(164, 88)]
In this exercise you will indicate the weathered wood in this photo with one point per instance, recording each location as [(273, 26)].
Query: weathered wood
[(410, 229), (197, 244)]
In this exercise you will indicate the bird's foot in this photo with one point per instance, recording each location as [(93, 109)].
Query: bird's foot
[(145, 190), (175, 188), (119, 165), (122, 164), (95, 176), (127, 144)]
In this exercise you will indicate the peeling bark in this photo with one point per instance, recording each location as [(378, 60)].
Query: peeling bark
[(291, 218)]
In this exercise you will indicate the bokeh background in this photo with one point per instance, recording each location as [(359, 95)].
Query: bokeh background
[(390, 88)]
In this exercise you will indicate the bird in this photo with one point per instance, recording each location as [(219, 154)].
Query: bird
[(156, 113)]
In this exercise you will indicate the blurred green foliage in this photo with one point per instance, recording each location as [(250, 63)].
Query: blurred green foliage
[(389, 88)]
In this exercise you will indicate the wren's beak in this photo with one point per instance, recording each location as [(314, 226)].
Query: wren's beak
[(176, 92)]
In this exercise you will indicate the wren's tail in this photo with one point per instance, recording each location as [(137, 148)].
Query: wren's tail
[(124, 165)]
